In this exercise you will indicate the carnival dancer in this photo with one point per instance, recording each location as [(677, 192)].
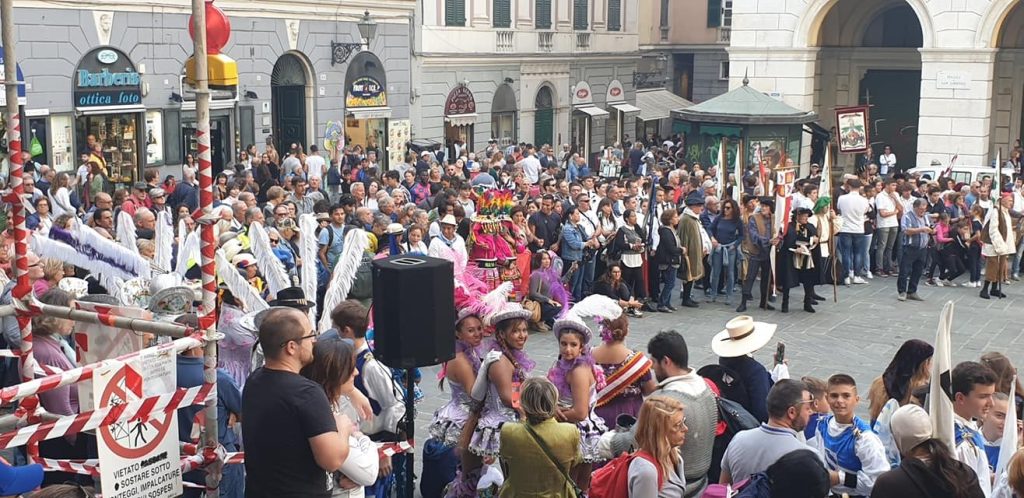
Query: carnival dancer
[(853, 454), (578, 378), (628, 376), (998, 239), (972, 388), (502, 371), (796, 260), (491, 244)]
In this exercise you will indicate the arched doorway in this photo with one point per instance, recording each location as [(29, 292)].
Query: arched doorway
[(1007, 89), (366, 106), (544, 120), (869, 56), (503, 116), (289, 85)]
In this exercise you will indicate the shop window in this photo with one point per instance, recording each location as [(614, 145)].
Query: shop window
[(173, 152), (454, 12), (61, 133), (543, 15), (614, 15), (154, 138), (116, 134), (502, 13), (580, 19)]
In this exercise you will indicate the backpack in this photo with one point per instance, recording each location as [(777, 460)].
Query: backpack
[(612, 480), (756, 486), (362, 286), (732, 416)]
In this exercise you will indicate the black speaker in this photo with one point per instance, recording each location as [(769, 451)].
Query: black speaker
[(413, 311)]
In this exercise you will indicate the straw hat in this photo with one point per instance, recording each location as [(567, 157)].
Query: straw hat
[(506, 311), (742, 335), (448, 220)]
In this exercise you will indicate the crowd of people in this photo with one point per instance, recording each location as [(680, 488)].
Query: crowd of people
[(540, 242)]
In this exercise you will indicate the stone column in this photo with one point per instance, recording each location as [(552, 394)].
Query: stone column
[(481, 13), (956, 106), (523, 14)]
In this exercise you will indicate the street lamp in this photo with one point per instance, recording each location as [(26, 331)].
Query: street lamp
[(341, 51)]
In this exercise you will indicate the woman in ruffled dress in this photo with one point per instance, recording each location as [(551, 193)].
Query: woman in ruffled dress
[(578, 378), (236, 348), (628, 375)]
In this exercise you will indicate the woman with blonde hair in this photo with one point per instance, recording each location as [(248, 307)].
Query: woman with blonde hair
[(53, 272), (657, 469), (539, 452)]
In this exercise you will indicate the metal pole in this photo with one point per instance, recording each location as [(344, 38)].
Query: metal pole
[(410, 407), (23, 287), (208, 310), (134, 324)]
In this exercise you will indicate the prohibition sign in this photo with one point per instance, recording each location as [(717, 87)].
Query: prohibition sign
[(131, 438)]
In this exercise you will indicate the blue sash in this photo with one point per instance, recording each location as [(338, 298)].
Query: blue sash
[(964, 433), (841, 450), (993, 456)]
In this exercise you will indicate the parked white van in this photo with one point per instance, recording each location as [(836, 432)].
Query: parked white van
[(962, 174)]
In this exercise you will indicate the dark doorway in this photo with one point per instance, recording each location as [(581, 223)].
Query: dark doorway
[(895, 98), (218, 142), (288, 97), (544, 120)]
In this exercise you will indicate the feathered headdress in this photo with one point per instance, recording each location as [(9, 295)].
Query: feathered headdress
[(164, 240), (356, 242), (238, 285), (270, 266), (307, 251), (126, 231)]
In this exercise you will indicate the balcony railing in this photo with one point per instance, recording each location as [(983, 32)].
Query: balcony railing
[(505, 41), (724, 34), (546, 41), (582, 42)]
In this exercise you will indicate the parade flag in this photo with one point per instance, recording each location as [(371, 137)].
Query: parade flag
[(1008, 446), (723, 165), (737, 190), (940, 407), (825, 187), (949, 169), (762, 174)]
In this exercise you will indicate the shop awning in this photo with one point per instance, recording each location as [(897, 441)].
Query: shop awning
[(624, 107), (370, 112), (461, 119), (658, 104), (593, 111)]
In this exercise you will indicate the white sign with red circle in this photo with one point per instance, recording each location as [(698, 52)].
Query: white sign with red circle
[(139, 458), (582, 95), (615, 92)]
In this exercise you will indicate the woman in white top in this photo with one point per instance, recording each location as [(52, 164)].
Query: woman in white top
[(657, 469), (334, 368), (60, 196), (414, 241)]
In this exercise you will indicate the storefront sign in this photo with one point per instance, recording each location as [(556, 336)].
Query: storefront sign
[(460, 101), (366, 92), (107, 77), (581, 94), (21, 86), (615, 92)]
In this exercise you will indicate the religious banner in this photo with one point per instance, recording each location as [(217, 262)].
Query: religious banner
[(854, 133)]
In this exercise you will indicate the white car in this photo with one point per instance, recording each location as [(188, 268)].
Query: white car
[(962, 174)]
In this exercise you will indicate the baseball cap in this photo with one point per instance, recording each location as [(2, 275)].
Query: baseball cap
[(157, 192), (140, 186), (287, 223), (910, 427), (18, 480)]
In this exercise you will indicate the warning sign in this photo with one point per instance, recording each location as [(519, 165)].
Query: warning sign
[(95, 342), (139, 458)]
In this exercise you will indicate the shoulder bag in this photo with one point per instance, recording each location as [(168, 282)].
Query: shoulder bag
[(577, 492)]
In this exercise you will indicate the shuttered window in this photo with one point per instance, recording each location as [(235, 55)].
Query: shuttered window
[(502, 13), (543, 16), (454, 12), (614, 15), (579, 15), (714, 13)]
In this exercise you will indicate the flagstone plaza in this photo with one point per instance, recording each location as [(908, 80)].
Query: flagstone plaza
[(858, 335)]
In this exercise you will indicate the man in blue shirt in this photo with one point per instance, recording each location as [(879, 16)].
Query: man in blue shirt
[(229, 411), (916, 232), (332, 239)]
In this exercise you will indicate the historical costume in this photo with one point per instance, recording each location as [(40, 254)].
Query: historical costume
[(825, 260), (998, 244), (694, 240), (796, 264)]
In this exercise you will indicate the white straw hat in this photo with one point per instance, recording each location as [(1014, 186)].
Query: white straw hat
[(742, 335)]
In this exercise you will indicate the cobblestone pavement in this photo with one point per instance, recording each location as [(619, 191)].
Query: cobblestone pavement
[(857, 335)]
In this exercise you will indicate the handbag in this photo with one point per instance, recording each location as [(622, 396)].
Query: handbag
[(534, 308), (577, 492)]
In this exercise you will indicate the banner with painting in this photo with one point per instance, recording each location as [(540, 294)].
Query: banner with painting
[(854, 132)]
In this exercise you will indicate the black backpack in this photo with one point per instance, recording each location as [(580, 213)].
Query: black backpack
[(730, 412)]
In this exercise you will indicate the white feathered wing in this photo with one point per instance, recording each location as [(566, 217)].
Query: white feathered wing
[(356, 242)]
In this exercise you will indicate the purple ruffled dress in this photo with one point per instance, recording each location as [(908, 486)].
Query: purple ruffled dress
[(486, 439), (451, 418), (590, 428), (235, 350)]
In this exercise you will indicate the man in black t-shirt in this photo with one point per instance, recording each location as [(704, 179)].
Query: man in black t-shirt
[(292, 439), (545, 224)]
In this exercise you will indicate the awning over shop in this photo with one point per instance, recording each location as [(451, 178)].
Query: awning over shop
[(461, 119), (624, 107), (370, 112), (593, 111), (658, 104)]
